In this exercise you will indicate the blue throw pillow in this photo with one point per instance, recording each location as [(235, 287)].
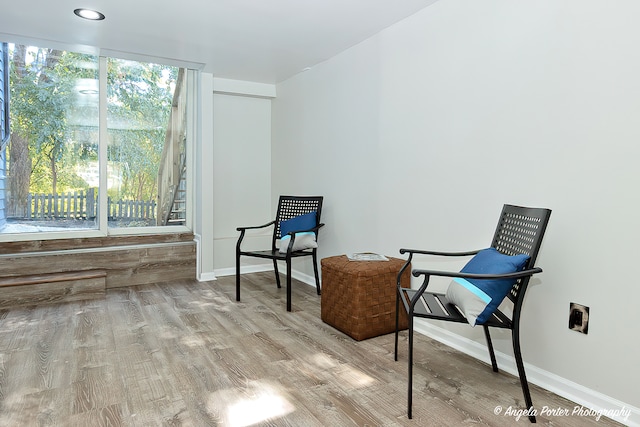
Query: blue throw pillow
[(300, 223), (304, 240), (478, 299)]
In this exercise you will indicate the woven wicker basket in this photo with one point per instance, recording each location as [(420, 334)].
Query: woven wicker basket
[(359, 297)]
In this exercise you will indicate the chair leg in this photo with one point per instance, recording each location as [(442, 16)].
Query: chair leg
[(395, 353), (275, 269), (289, 284), (410, 371), (523, 377), (492, 354), (315, 272), (237, 276)]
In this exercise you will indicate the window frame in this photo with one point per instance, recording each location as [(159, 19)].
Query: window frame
[(4, 100), (193, 71)]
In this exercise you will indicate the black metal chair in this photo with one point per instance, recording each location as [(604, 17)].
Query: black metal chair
[(520, 231), (289, 207)]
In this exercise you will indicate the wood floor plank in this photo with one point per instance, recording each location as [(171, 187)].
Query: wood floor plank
[(110, 416), (185, 353)]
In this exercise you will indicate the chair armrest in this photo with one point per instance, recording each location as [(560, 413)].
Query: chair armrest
[(314, 229), (411, 252), (516, 275), (242, 230), (439, 253), (256, 226)]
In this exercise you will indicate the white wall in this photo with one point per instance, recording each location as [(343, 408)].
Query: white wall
[(203, 175), (417, 136), (241, 172)]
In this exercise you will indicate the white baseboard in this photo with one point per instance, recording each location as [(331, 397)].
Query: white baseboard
[(231, 271), (205, 277), (583, 396), (304, 278)]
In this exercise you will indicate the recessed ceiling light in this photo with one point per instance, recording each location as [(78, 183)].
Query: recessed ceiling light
[(89, 14)]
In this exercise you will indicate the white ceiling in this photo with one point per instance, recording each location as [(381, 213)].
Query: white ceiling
[(263, 41)]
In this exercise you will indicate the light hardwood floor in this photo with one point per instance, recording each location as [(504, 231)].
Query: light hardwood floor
[(187, 354)]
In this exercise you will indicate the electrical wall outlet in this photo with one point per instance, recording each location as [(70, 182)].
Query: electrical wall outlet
[(579, 318)]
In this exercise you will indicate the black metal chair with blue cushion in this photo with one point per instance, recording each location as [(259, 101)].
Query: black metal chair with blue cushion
[(295, 234), (474, 294)]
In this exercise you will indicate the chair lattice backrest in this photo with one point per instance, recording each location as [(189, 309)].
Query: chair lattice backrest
[(520, 231), (293, 206)]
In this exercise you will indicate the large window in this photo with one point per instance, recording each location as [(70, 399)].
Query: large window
[(97, 145)]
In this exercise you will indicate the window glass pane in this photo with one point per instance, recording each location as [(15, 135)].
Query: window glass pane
[(146, 148), (49, 168), (49, 180)]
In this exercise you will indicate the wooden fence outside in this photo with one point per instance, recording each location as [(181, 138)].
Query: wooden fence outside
[(84, 205)]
